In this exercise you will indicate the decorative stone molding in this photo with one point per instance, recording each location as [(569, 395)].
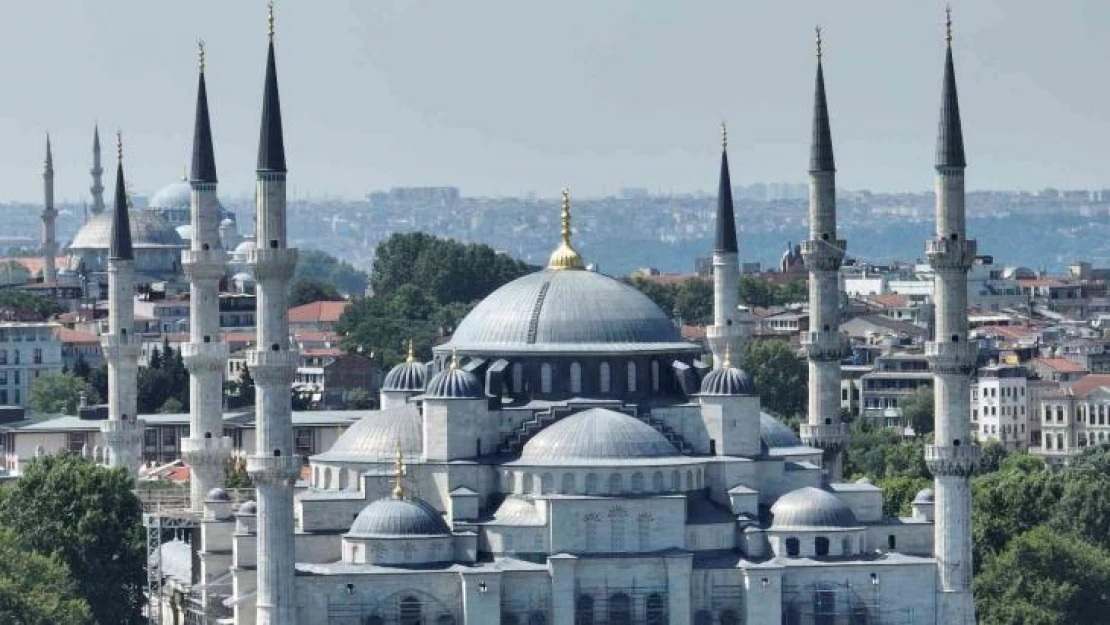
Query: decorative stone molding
[(823, 255), (120, 349), (829, 437), (206, 451), (949, 357), (274, 470), (204, 264), (951, 255), (268, 264), (952, 460), (825, 346), (120, 433), (201, 357), (270, 368)]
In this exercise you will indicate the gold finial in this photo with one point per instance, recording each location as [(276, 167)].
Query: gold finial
[(565, 256), (399, 473), (454, 357), (819, 50), (270, 19), (411, 357), (119, 145), (724, 135), (948, 23), (200, 54), (184, 173), (728, 357)]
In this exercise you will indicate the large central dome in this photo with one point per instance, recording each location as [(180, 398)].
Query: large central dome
[(148, 230), (567, 311)]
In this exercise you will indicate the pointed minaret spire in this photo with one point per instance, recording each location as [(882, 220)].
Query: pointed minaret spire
[(49, 244), (271, 144), (950, 135), (97, 188), (204, 158), (119, 244), (726, 217), (821, 148), (49, 155)]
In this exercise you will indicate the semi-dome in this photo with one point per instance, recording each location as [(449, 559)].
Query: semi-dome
[(566, 311), (173, 195), (454, 383), (147, 230), (596, 434), (374, 438), (249, 508), (775, 433), (727, 381), (811, 508), (398, 517), (408, 376), (925, 495)]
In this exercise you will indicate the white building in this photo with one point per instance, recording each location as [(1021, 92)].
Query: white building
[(1000, 406), (27, 352)]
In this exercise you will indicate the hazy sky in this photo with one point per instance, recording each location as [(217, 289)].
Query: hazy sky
[(513, 96)]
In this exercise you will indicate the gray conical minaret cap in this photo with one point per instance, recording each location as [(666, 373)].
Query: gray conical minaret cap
[(950, 135)]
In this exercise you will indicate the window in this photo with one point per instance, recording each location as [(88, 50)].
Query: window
[(616, 484), (637, 483), (656, 609), (575, 377), (591, 483), (616, 529), (729, 617), (545, 378), (655, 376), (412, 612), (657, 482), (643, 531), (568, 484), (304, 441), (793, 547), (589, 526), (76, 441), (15, 356), (620, 609), (37, 357), (584, 610), (518, 378), (631, 377), (547, 484), (891, 542), (821, 546), (604, 378), (16, 374), (703, 617)]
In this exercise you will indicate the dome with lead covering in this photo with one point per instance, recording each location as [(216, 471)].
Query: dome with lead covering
[(454, 383), (398, 517), (925, 495), (774, 433), (375, 437), (596, 435), (147, 230), (218, 494), (248, 507), (407, 376), (727, 381), (811, 508)]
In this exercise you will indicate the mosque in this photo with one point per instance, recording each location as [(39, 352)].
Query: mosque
[(566, 457)]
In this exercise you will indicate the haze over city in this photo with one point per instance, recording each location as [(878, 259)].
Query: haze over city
[(509, 98)]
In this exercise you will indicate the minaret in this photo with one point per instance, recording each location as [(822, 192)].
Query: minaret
[(273, 363), (49, 214), (122, 432), (206, 450), (823, 254), (97, 171), (730, 328), (953, 456)]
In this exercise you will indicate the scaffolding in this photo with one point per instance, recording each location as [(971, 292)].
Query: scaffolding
[(159, 524)]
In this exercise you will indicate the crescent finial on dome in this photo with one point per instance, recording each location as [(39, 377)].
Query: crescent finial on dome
[(565, 256), (399, 473), (410, 357)]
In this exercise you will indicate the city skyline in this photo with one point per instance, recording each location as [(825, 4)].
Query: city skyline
[(600, 97)]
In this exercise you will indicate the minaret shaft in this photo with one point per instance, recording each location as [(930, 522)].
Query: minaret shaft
[(49, 216), (97, 172)]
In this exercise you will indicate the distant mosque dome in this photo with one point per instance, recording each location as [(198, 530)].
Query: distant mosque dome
[(147, 230), (174, 195)]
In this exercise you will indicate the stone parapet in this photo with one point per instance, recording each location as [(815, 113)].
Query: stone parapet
[(951, 460), (205, 451), (825, 346), (949, 357), (268, 264), (204, 264), (120, 349), (200, 357), (122, 433), (824, 255), (272, 368), (951, 255), (830, 437), (274, 470)]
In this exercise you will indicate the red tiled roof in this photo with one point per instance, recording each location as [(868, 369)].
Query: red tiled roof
[(890, 300), (318, 312), (315, 336), (66, 335), (322, 351), (1062, 365), (1089, 383), (34, 263)]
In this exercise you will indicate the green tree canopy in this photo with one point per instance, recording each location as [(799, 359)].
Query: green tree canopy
[(1015, 499), (60, 394), (36, 589), (308, 290), (917, 410), (325, 268), (16, 305), (780, 376), (691, 300), (89, 517)]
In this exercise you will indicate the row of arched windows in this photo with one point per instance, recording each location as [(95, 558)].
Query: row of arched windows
[(618, 610), (617, 520), (544, 484), (605, 377)]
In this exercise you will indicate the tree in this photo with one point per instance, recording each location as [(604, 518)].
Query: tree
[(1015, 499), (779, 375), (235, 474), (171, 406), (360, 399), (88, 516), (59, 394), (308, 290), (992, 454), (880, 453), (917, 410), (1044, 578), (246, 387), (325, 268), (899, 492), (16, 305), (36, 589)]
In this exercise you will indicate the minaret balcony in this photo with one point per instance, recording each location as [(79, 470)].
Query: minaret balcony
[(210, 356), (829, 436), (206, 451), (272, 263), (951, 460), (825, 346), (122, 433), (117, 348), (273, 368), (824, 255), (951, 254), (271, 470), (952, 357), (204, 264)]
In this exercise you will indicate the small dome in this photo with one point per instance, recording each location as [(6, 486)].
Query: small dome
[(244, 248), (227, 222), (173, 195), (374, 438), (217, 494), (517, 511), (597, 434), (407, 376), (398, 517), (455, 383), (249, 508), (185, 232), (924, 496), (811, 508), (727, 381)]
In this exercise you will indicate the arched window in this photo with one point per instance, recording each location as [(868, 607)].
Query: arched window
[(342, 479), (729, 617), (604, 379), (584, 610), (589, 527), (545, 378), (508, 482), (620, 609), (568, 484), (537, 618), (507, 545), (676, 480), (591, 483), (616, 484), (631, 377), (327, 478), (412, 611), (656, 609), (547, 484), (891, 542), (791, 615), (793, 547), (374, 620), (846, 547), (657, 481), (821, 546), (637, 482), (643, 531), (316, 477), (655, 376), (703, 617), (616, 529), (518, 378), (575, 377), (508, 618), (689, 480), (526, 483)]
